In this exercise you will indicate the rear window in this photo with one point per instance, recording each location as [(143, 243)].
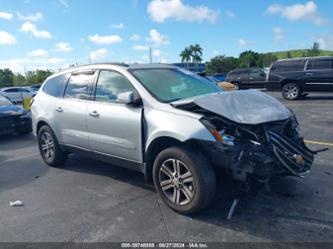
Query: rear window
[(288, 66), (80, 86), (55, 86), (319, 64)]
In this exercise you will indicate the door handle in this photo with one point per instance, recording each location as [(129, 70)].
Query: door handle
[(309, 74), (94, 114), (59, 109)]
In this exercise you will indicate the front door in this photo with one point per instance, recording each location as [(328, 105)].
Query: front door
[(114, 128)]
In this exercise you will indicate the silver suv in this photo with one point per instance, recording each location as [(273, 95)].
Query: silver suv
[(175, 127)]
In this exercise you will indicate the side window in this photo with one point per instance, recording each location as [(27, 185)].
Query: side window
[(289, 66), (56, 85), (11, 90), (23, 90), (255, 73), (319, 64), (80, 85), (109, 85)]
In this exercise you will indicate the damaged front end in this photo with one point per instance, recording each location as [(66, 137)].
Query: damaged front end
[(253, 151)]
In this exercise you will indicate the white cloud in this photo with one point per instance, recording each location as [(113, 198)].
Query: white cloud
[(32, 18), (161, 10), (164, 61), (29, 27), (6, 38), (98, 54), (145, 57), (33, 63), (64, 3), (243, 42), (278, 34), (118, 26), (62, 47), (140, 47), (297, 12), (135, 37), (157, 53), (6, 15), (38, 53), (229, 13), (215, 52), (157, 38), (105, 40), (326, 42)]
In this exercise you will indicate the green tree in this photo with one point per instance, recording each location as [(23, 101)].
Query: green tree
[(185, 55), (37, 77), (196, 53), (314, 50), (6, 77), (248, 59), (19, 80), (221, 64), (267, 59)]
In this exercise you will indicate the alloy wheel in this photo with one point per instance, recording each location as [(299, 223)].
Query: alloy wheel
[(176, 181), (291, 91), (47, 145)]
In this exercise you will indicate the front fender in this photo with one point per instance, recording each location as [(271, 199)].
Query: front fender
[(174, 125)]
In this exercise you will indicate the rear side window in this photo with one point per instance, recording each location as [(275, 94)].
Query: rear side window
[(11, 90), (55, 86), (80, 86), (320, 64), (110, 84), (288, 66)]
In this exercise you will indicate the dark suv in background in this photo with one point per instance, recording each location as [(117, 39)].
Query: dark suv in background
[(247, 77), (296, 77)]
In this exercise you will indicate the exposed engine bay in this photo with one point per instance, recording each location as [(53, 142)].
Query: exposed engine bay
[(261, 141)]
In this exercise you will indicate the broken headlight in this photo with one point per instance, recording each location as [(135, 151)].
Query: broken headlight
[(220, 136)]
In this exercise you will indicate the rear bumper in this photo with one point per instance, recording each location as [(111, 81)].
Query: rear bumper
[(15, 124)]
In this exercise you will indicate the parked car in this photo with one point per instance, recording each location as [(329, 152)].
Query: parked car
[(17, 94), (226, 86), (297, 77), (174, 126), (13, 118), (246, 78)]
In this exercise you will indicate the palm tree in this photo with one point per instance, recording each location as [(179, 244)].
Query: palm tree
[(196, 54), (186, 55)]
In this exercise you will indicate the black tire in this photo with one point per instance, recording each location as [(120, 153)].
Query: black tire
[(55, 157), (291, 91), (202, 188)]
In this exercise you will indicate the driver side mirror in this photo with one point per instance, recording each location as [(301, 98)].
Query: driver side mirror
[(128, 98)]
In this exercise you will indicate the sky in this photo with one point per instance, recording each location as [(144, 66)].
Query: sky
[(56, 33)]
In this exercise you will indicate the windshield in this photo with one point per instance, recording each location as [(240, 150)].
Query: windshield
[(4, 101), (168, 85)]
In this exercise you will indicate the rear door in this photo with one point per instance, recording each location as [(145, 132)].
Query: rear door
[(114, 128), (319, 75), (71, 110), (257, 78)]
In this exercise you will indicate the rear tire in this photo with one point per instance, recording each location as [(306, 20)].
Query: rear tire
[(184, 179), (291, 91), (49, 147)]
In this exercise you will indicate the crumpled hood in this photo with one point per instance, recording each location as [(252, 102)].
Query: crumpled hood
[(244, 106), (11, 110)]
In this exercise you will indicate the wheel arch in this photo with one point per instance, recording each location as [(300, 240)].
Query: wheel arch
[(289, 80)]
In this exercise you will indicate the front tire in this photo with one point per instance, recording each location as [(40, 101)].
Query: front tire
[(184, 179), (49, 147), (291, 91)]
